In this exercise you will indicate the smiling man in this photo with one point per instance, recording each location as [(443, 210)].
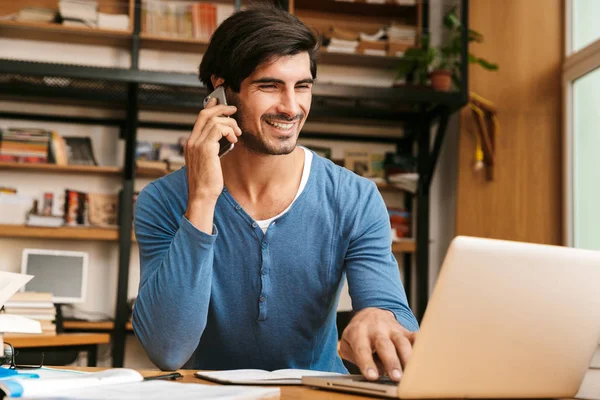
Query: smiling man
[(242, 258)]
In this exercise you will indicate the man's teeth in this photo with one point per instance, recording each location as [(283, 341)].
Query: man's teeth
[(280, 125)]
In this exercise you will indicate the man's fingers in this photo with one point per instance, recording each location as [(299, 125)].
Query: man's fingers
[(220, 131), (363, 354), (221, 121), (205, 116), (403, 347), (386, 351), (346, 351)]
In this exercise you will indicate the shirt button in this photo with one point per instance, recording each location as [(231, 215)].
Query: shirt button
[(224, 189), (262, 299), (264, 246), (237, 207), (254, 224), (263, 271)]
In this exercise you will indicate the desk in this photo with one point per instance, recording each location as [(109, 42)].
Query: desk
[(591, 384), (87, 326), (87, 342), (287, 392)]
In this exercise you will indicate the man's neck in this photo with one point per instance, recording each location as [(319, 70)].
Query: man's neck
[(252, 177)]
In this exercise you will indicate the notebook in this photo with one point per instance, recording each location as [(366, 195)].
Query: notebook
[(260, 377), (123, 384)]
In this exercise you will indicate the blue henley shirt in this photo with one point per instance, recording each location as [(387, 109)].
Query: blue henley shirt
[(243, 299)]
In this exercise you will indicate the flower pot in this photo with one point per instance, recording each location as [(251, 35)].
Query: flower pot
[(441, 80)]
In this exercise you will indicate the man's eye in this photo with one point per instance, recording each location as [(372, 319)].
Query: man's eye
[(268, 86), (303, 87)]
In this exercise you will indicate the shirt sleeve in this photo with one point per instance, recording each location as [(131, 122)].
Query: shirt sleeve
[(371, 268), (176, 262)]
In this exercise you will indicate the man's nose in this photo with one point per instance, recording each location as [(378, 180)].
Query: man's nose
[(289, 104)]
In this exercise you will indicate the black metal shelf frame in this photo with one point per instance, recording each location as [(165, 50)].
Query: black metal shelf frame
[(133, 89)]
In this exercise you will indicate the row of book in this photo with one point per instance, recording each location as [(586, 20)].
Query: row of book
[(40, 146), (33, 305), (160, 157), (390, 41), (81, 13), (183, 19)]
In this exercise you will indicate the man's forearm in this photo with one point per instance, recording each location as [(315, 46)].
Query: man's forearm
[(172, 305)]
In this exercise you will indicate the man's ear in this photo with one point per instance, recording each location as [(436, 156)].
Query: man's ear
[(216, 82)]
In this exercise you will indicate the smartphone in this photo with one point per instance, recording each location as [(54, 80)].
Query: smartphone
[(225, 146)]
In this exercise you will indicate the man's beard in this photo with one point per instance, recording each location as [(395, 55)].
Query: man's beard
[(256, 143)]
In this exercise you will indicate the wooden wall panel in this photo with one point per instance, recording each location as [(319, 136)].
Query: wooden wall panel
[(524, 201)]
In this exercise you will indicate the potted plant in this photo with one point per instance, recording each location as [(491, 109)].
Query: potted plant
[(440, 65), (446, 70), (414, 65)]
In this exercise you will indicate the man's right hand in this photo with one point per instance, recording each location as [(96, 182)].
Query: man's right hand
[(205, 177)]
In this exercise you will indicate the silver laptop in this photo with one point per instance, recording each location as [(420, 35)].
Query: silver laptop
[(505, 320)]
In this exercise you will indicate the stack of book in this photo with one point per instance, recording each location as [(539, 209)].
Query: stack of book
[(34, 305), (79, 12), (183, 19), (36, 14), (25, 145), (400, 38)]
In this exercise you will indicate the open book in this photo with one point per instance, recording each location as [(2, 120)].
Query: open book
[(260, 377), (123, 384)]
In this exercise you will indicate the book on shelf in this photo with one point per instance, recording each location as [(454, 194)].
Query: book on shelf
[(50, 221), (82, 11), (26, 145), (79, 150), (183, 19), (121, 383), (407, 181), (117, 22), (103, 209), (37, 14)]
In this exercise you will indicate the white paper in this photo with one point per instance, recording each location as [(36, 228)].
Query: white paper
[(10, 283), (155, 390), (254, 376), (43, 388)]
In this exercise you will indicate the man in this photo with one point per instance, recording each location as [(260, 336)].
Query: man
[(242, 257)]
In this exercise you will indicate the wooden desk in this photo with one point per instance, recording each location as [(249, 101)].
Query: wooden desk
[(287, 392), (87, 342), (74, 325)]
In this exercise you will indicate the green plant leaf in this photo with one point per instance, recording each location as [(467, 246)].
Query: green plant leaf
[(451, 20)]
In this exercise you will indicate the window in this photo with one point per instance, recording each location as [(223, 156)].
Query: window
[(581, 83)]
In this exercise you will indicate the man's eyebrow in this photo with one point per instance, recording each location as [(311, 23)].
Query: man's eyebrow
[(279, 81)]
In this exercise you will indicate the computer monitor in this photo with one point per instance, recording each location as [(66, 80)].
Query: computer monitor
[(62, 273)]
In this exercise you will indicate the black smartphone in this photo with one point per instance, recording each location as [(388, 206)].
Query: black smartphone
[(225, 146)]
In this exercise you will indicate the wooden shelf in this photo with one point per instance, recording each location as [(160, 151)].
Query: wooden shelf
[(94, 325), (61, 339), (67, 169), (404, 246), (172, 43), (359, 60), (64, 232), (59, 33)]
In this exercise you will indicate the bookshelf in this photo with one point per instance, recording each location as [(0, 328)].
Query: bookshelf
[(132, 90), (56, 32), (63, 169), (63, 232)]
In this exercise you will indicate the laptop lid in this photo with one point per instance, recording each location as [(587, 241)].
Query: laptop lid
[(507, 319)]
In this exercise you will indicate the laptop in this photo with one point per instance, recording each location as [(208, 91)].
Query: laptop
[(506, 320)]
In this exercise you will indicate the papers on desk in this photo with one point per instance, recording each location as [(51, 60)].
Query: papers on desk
[(124, 384), (260, 377), (9, 284)]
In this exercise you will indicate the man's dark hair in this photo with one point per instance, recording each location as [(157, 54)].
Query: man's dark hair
[(251, 37)]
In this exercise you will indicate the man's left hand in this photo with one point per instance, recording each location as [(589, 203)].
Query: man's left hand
[(376, 343)]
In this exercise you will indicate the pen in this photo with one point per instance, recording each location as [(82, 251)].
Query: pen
[(170, 377)]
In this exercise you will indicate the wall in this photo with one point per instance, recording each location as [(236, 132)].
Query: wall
[(524, 201)]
